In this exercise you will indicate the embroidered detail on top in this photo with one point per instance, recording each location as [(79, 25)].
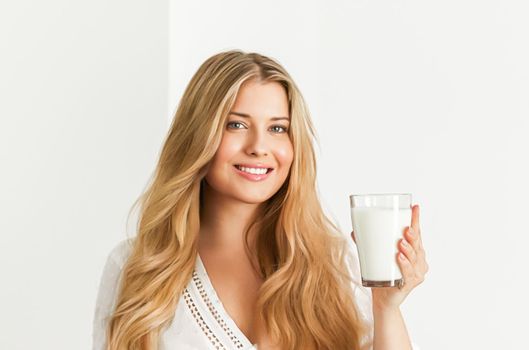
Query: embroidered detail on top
[(198, 317), (214, 312)]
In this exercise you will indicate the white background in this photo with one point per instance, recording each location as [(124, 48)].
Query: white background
[(83, 108), (425, 97)]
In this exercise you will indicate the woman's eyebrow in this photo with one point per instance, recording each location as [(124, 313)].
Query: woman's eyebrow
[(244, 115)]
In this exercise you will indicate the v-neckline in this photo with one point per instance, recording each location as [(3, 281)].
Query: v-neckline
[(200, 268)]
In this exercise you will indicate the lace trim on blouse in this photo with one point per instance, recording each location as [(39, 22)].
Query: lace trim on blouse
[(218, 315)]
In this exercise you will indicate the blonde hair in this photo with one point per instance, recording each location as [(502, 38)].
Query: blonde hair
[(306, 300)]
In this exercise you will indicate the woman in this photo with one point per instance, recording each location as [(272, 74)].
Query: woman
[(233, 250)]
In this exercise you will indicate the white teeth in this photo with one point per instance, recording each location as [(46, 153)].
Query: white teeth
[(254, 171)]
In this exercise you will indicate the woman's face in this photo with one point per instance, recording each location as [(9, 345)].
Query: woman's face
[(255, 139)]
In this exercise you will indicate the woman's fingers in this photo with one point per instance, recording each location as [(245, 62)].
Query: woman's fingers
[(412, 272), (415, 217), (413, 238), (407, 270), (415, 223), (408, 250)]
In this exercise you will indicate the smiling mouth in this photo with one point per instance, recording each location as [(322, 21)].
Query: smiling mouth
[(268, 170)]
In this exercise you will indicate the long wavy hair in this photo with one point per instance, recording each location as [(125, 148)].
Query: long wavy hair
[(307, 299)]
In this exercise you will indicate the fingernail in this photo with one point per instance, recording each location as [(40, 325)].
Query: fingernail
[(411, 232)]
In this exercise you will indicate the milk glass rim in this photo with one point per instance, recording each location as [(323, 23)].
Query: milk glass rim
[(379, 194)]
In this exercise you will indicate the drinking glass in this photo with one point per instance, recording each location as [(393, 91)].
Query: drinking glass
[(379, 221)]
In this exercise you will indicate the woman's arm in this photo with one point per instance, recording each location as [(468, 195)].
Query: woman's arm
[(389, 327), (107, 293), (390, 330)]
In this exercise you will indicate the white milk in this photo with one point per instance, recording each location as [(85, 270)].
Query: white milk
[(377, 232)]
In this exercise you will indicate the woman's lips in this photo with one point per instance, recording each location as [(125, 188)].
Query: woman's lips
[(253, 177)]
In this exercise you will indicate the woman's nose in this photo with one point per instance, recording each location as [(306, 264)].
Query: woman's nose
[(257, 144)]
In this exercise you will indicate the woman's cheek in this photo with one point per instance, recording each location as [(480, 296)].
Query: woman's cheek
[(229, 147), (285, 155)]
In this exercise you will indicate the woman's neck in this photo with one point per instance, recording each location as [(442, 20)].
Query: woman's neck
[(224, 220)]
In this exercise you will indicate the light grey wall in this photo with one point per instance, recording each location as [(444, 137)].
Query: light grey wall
[(83, 113), (408, 96)]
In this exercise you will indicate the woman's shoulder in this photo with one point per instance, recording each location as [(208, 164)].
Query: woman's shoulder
[(120, 252), (108, 287)]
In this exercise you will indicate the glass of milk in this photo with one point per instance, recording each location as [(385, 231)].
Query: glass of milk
[(379, 221)]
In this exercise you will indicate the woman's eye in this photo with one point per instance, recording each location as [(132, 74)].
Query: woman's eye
[(279, 129), (235, 123), (285, 129)]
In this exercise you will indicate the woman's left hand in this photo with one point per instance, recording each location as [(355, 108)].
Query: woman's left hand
[(412, 262)]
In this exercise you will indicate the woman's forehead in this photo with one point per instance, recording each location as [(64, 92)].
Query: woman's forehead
[(261, 100)]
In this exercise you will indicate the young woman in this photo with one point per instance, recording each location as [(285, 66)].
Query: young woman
[(233, 250)]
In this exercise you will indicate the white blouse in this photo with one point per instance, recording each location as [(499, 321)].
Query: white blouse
[(200, 320)]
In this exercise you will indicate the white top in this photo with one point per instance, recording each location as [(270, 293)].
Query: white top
[(200, 320)]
